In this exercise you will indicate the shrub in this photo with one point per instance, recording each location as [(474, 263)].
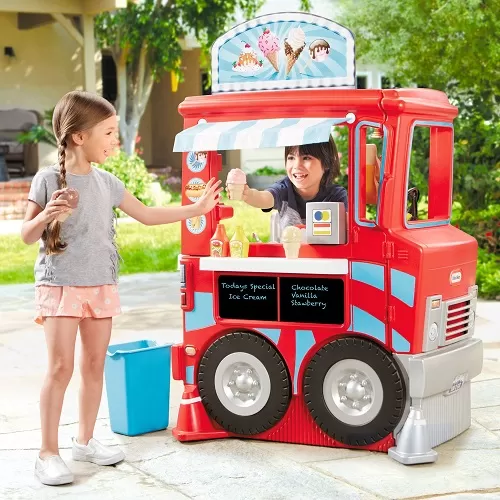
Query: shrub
[(41, 133), (134, 174), (488, 275), (484, 225), (169, 181), (269, 171)]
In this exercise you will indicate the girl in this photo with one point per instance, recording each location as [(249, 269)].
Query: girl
[(76, 269), (310, 169)]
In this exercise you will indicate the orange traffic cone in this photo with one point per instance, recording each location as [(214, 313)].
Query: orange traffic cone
[(193, 422)]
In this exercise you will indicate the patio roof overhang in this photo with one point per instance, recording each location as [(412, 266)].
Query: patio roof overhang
[(32, 13), (90, 7)]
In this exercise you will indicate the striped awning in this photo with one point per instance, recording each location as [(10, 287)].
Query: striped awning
[(253, 134)]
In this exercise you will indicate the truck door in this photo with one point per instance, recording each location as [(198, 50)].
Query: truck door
[(369, 253)]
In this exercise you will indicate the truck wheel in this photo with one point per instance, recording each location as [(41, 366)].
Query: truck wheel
[(244, 383), (354, 391)]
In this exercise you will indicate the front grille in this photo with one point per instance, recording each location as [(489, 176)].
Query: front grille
[(459, 319)]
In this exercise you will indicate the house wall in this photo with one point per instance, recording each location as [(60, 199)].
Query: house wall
[(162, 121), (48, 63)]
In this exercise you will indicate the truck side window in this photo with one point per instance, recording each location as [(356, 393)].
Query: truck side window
[(368, 144), (429, 176)]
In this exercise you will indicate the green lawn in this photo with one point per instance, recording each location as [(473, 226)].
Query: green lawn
[(143, 249)]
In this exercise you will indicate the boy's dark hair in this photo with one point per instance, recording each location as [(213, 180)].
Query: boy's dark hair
[(325, 152)]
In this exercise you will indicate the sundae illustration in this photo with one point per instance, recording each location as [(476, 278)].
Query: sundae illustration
[(72, 196), (319, 50), (235, 183), (294, 45), (269, 45), (197, 160), (247, 62)]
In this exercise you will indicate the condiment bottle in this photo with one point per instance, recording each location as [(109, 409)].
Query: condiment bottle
[(239, 243), (219, 244)]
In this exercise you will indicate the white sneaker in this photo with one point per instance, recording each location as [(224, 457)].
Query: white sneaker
[(52, 471), (96, 453)]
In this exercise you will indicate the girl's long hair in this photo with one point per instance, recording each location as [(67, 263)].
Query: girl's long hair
[(76, 112)]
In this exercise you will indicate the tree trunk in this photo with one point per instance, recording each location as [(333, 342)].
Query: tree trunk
[(134, 89)]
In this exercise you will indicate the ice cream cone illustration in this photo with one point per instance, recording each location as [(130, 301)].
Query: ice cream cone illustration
[(294, 45), (270, 47), (291, 239), (195, 222)]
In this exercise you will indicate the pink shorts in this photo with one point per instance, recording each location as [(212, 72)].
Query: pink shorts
[(76, 301)]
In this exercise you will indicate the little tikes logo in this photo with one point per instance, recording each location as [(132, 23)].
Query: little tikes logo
[(455, 277)]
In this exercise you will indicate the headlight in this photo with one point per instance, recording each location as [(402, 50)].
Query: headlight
[(433, 332)]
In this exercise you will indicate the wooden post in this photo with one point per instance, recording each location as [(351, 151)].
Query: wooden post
[(89, 53)]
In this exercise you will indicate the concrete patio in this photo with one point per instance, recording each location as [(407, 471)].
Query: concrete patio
[(159, 467)]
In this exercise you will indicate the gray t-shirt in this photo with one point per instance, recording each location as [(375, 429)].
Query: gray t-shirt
[(91, 256)]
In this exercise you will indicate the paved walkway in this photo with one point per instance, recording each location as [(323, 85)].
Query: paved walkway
[(158, 467)]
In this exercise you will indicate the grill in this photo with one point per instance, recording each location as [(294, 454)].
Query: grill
[(459, 320)]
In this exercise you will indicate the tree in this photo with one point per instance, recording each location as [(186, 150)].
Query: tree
[(449, 45), (144, 40)]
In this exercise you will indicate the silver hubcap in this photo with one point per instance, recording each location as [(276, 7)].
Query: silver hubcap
[(353, 392), (242, 383)]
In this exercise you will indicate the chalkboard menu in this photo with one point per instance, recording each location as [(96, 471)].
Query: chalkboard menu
[(312, 300), (301, 300), (248, 297)]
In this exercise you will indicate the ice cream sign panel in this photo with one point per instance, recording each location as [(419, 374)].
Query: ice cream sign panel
[(283, 51)]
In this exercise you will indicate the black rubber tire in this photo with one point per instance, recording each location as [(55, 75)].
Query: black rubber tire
[(280, 393), (394, 398)]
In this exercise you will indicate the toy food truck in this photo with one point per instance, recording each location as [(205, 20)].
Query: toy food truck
[(366, 339)]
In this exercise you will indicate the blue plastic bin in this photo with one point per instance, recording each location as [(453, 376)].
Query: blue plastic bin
[(138, 386)]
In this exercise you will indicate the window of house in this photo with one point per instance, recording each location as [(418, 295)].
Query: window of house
[(109, 83), (362, 82), (385, 82), (429, 175), (206, 89)]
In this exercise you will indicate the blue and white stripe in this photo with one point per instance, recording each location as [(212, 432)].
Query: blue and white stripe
[(252, 134)]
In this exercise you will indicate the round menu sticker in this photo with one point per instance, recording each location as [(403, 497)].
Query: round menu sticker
[(194, 189), (197, 160), (196, 225)]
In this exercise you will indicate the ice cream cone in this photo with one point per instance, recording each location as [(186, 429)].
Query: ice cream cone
[(292, 250), (273, 58), (291, 56), (236, 191), (291, 239), (64, 216)]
